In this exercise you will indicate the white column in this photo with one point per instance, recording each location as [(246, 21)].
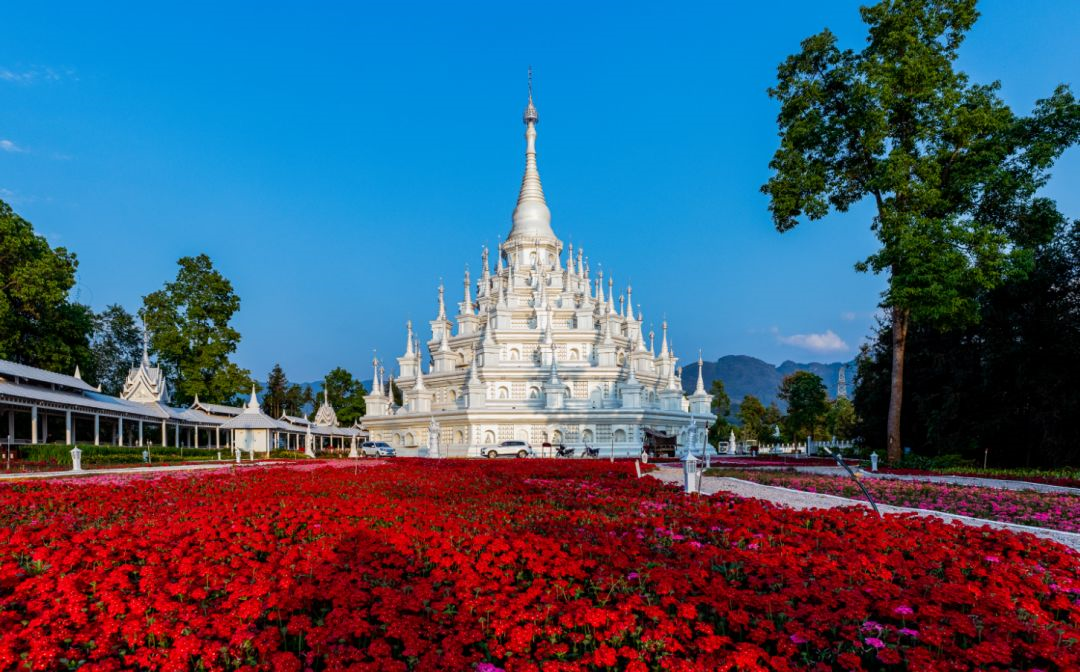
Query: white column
[(67, 427), (217, 438), (11, 426), (120, 431), (177, 434), (164, 434), (140, 433), (97, 429), (196, 431)]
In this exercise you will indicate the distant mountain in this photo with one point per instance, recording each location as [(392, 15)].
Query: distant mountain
[(743, 375)]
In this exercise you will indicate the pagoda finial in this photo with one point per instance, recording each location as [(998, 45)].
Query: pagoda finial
[(409, 339), (442, 302), (145, 347), (531, 216), (664, 352), (253, 403)]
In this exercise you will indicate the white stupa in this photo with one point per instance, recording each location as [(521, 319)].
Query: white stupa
[(542, 354)]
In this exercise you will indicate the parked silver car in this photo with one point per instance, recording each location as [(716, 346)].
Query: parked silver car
[(377, 449), (511, 448)]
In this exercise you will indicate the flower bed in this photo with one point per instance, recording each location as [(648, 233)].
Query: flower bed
[(1056, 510), (511, 565), (1064, 477)]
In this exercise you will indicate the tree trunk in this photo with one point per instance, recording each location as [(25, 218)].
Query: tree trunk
[(894, 449)]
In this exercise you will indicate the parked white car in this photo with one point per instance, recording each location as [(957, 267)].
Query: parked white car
[(377, 449), (507, 449)]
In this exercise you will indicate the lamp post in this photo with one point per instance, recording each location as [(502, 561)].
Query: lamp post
[(692, 473)]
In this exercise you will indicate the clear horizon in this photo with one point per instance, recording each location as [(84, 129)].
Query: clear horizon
[(335, 164)]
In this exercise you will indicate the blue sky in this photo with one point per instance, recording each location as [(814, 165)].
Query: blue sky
[(337, 162)]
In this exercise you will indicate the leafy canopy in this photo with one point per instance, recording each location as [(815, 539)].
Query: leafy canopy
[(39, 324), (188, 320)]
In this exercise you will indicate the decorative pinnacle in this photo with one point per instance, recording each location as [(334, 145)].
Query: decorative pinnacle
[(531, 117)]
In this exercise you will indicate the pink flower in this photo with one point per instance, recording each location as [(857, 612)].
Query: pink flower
[(799, 639), (904, 610), (875, 642)]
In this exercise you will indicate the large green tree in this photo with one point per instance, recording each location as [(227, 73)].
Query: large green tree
[(1002, 389), (751, 414), (721, 408), (39, 324), (840, 419), (116, 347), (188, 320), (945, 163), (275, 395), (807, 403), (346, 395)]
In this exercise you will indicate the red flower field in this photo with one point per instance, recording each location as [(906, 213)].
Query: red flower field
[(517, 565)]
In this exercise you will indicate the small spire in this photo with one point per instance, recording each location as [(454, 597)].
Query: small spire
[(375, 387), (630, 377), (554, 378), (663, 342), (652, 340), (325, 395), (444, 344), (419, 374), (600, 288), (442, 302), (408, 339), (390, 389), (611, 294), (253, 403), (474, 375), (468, 292), (78, 375), (700, 389)]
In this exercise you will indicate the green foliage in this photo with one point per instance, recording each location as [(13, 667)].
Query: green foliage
[(60, 454), (840, 419), (289, 454), (752, 418), (721, 402), (1004, 384), (807, 403), (346, 395), (284, 397), (277, 387), (947, 164), (929, 463), (39, 325), (188, 321), (721, 407), (116, 347)]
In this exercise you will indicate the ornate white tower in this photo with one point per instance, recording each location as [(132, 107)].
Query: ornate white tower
[(540, 354)]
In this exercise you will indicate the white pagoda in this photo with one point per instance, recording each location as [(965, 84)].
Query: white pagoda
[(544, 353)]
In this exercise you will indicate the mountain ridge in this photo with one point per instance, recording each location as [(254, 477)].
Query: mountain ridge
[(743, 375)]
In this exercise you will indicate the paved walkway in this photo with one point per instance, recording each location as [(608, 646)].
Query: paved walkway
[(798, 499), (127, 470)]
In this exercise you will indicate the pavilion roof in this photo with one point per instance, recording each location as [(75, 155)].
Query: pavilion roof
[(10, 369), (92, 400)]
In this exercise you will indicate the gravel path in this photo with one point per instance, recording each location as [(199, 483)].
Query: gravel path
[(797, 499)]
